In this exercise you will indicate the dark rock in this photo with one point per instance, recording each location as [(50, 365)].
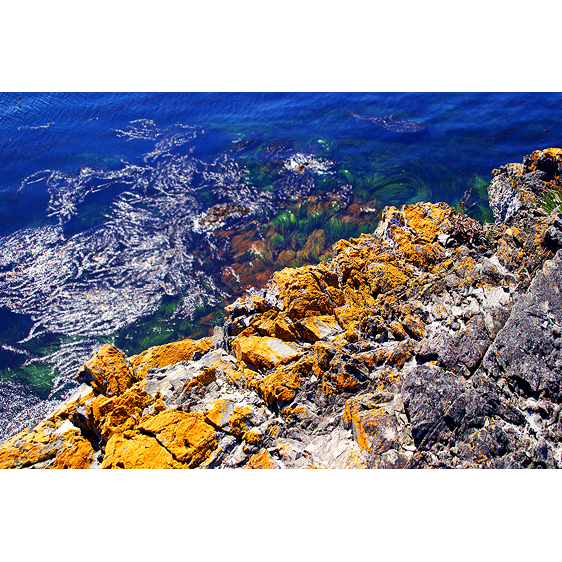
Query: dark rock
[(429, 392), (523, 352)]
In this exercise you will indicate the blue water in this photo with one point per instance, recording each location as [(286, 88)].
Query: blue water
[(107, 202)]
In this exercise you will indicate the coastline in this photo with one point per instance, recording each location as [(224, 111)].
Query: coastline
[(427, 344)]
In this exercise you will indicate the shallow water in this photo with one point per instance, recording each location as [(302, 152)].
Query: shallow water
[(133, 218)]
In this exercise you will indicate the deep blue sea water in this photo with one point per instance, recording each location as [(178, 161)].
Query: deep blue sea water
[(117, 209)]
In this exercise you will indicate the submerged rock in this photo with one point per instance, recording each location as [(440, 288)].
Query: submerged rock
[(432, 342)]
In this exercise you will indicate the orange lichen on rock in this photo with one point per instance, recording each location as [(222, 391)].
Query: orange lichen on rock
[(169, 354), (162, 439), (384, 277), (303, 293), (203, 378), (401, 353), (76, 452), (263, 352), (261, 460), (108, 371), (426, 219), (44, 444), (186, 435), (314, 328), (117, 414), (280, 386), (238, 420), (272, 324), (137, 450), (373, 428)]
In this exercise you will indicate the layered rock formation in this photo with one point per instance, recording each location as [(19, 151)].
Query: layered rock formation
[(433, 342)]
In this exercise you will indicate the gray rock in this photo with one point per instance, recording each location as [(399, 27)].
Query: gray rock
[(429, 392), (523, 352)]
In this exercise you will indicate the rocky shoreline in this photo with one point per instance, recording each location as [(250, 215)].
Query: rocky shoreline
[(432, 343)]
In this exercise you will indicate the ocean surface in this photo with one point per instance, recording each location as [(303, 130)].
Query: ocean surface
[(134, 218)]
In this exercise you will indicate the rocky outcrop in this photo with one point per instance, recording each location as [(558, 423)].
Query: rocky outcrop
[(432, 342)]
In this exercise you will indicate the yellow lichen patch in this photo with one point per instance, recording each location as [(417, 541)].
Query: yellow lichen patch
[(384, 277), (232, 375), (186, 435), (108, 371), (252, 437), (358, 290), (238, 420), (169, 354), (388, 379), (272, 324), (414, 325), (349, 316), (280, 386), (397, 331), (137, 450), (118, 413), (284, 448), (296, 413), (315, 328), (249, 375), (301, 292), (219, 413), (47, 441), (261, 460), (426, 219), (76, 452), (264, 352)]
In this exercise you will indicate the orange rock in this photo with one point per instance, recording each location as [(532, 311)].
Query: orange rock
[(118, 413), (314, 328), (261, 460), (272, 324), (76, 452), (169, 354), (137, 451), (263, 352), (47, 442), (280, 386), (108, 371)]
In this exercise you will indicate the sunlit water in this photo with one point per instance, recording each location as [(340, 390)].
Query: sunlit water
[(133, 218)]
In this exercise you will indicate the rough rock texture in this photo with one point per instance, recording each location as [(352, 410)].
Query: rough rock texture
[(433, 342)]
